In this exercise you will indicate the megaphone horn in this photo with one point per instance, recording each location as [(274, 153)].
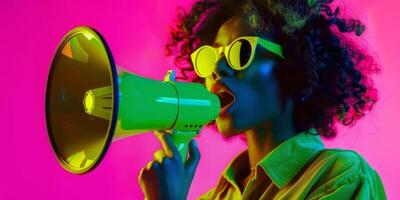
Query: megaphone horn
[(89, 104)]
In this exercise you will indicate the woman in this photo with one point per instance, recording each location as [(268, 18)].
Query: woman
[(286, 72)]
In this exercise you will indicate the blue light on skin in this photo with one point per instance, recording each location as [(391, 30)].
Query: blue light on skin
[(266, 68), (256, 111)]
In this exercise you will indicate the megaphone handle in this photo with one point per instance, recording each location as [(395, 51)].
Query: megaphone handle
[(181, 140)]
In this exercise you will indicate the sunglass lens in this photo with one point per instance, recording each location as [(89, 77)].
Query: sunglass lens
[(205, 61), (240, 53)]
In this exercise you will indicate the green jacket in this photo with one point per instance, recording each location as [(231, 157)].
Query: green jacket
[(300, 168)]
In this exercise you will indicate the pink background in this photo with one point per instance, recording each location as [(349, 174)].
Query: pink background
[(136, 33)]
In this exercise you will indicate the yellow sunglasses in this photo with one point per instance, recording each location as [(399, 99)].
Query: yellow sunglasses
[(239, 54)]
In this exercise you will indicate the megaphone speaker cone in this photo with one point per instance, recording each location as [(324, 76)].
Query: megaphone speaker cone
[(82, 80)]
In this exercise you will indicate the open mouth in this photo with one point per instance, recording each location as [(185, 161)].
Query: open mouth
[(226, 97)]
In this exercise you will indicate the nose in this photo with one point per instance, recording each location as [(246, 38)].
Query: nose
[(222, 69)]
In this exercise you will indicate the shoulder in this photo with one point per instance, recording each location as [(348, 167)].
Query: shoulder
[(343, 161), (341, 165), (339, 169)]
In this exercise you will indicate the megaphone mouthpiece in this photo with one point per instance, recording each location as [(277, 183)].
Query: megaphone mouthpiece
[(98, 102)]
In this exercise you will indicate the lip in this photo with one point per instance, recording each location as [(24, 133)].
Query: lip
[(223, 93)]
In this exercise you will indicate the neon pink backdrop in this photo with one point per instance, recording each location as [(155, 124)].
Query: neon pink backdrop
[(136, 33)]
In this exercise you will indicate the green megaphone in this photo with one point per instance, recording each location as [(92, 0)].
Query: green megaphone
[(90, 103)]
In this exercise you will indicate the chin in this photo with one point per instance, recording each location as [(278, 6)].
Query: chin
[(225, 127)]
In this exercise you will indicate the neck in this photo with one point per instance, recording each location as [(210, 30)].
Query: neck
[(263, 139)]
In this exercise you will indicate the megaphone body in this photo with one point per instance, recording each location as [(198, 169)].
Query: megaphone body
[(90, 103)]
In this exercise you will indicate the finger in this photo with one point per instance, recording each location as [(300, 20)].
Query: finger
[(193, 160), (159, 155), (150, 179), (166, 166), (168, 144), (156, 169), (142, 176), (144, 179), (151, 169), (148, 165), (159, 179)]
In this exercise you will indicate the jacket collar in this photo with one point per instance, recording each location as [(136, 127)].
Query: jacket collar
[(283, 163)]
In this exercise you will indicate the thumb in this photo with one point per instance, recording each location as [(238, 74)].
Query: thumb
[(167, 143), (193, 161)]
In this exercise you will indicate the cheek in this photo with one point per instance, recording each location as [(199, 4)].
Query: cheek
[(270, 96), (253, 106), (266, 85), (257, 100)]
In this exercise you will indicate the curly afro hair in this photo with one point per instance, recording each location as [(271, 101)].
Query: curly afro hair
[(326, 72)]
